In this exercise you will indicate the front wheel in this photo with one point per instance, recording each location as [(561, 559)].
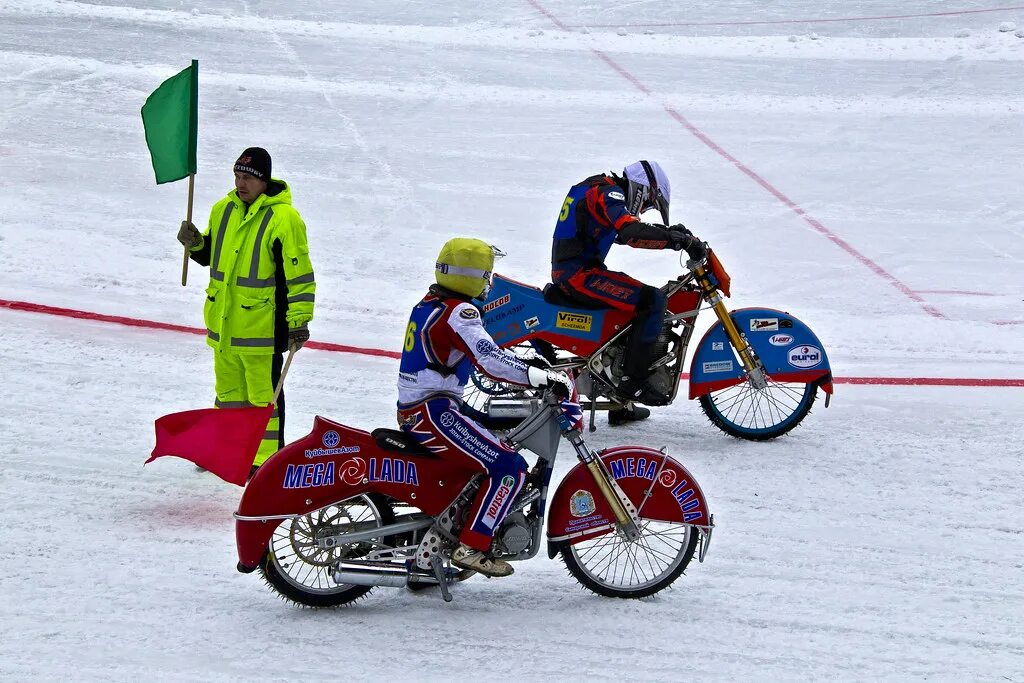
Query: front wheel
[(614, 567), (301, 571), (755, 414)]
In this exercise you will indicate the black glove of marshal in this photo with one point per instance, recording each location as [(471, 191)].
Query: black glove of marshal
[(297, 336), (681, 239)]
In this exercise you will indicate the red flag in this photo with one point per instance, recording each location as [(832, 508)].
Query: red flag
[(221, 440)]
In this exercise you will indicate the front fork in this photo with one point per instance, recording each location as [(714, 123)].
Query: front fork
[(748, 357), (627, 517)]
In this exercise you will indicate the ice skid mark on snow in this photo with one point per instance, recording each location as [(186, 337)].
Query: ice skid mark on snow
[(185, 512)]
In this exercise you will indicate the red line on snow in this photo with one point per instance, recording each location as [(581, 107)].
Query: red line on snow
[(155, 325), (804, 21), (750, 173), (328, 346)]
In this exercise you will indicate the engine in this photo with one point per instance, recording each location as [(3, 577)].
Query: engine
[(515, 534)]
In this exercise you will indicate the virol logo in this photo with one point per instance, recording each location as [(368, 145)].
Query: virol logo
[(781, 340), (574, 321), (804, 356)]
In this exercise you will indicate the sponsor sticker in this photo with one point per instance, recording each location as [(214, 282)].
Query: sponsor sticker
[(764, 324), (531, 322), (617, 195), (804, 356), (785, 324), (330, 440), (508, 482), (718, 366), (501, 301), (582, 504), (469, 313), (781, 339), (574, 321), (718, 346)]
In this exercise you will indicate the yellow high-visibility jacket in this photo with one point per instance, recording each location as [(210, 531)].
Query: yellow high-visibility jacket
[(261, 278)]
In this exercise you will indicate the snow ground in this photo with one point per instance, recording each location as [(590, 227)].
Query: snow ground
[(881, 540)]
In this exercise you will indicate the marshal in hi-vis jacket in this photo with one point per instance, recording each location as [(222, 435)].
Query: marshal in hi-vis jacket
[(261, 278)]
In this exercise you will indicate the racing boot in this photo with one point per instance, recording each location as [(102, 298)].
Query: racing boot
[(639, 390), (471, 558), (627, 413)]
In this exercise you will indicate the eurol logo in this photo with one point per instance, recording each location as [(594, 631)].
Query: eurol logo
[(781, 339), (804, 356)]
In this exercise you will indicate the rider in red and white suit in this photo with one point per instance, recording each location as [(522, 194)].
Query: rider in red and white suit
[(444, 339)]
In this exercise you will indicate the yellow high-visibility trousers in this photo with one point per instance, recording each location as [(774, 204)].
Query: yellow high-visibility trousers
[(244, 380)]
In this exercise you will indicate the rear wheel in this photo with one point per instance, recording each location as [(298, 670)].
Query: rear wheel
[(612, 566), (301, 571), (746, 412)]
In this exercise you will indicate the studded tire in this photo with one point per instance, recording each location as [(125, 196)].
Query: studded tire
[(301, 572)]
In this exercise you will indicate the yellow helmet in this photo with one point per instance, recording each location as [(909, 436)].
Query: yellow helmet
[(465, 265)]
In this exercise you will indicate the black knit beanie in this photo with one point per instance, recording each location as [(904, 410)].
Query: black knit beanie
[(256, 162)]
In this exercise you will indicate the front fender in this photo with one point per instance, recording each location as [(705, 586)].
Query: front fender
[(660, 487), (790, 351)]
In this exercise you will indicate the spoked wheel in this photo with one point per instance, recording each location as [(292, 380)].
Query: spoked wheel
[(301, 571), (612, 566), (759, 414)]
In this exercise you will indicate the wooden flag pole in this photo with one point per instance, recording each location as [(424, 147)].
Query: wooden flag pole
[(188, 217), (284, 371)]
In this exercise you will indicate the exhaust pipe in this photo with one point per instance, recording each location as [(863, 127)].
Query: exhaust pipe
[(378, 574)]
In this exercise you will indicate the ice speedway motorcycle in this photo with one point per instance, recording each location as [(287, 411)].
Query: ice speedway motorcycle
[(756, 371), (340, 511)]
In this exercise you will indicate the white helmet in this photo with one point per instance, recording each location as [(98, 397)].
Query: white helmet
[(648, 188)]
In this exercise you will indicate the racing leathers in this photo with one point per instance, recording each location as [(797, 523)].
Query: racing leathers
[(444, 339), (594, 216)]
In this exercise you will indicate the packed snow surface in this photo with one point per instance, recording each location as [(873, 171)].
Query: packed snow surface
[(863, 174)]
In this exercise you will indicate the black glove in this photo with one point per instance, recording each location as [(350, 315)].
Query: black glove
[(189, 235), (297, 336), (682, 239), (679, 236)]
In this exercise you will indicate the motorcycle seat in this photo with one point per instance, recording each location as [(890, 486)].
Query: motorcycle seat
[(554, 295), (398, 441)]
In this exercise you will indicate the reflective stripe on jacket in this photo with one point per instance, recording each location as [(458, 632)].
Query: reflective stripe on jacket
[(253, 254)]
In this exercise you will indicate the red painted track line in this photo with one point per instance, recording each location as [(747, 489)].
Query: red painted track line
[(750, 173), (950, 13), (155, 325), (343, 348)]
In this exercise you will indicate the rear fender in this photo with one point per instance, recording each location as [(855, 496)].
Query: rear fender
[(331, 464), (656, 483), (790, 351)]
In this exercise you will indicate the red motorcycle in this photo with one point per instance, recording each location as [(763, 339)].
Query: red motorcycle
[(340, 511)]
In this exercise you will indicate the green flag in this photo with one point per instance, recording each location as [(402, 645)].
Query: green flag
[(170, 117)]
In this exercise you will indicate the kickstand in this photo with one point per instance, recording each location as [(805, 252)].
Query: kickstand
[(593, 407), (442, 580)]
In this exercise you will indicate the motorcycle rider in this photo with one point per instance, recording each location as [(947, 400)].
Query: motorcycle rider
[(444, 339), (597, 212)]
